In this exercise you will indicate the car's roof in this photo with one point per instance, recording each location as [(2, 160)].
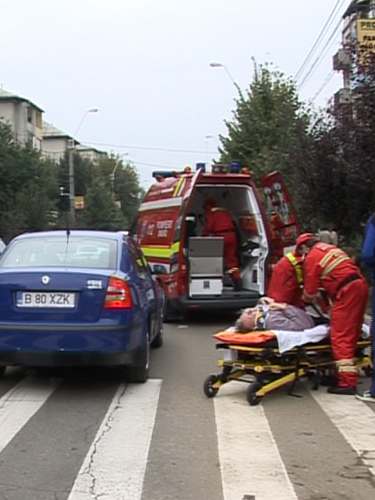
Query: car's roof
[(74, 232)]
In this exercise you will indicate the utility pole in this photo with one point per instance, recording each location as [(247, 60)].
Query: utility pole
[(71, 166), (72, 206)]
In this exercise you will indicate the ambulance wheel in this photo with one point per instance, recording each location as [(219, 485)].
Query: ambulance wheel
[(251, 396), (208, 388), (170, 315)]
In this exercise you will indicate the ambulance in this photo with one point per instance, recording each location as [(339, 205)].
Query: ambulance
[(191, 268)]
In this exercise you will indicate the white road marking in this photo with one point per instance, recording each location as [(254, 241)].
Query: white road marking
[(115, 465), (355, 421), (251, 465), (19, 404)]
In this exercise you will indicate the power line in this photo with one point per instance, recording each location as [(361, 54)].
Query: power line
[(317, 61), (149, 148), (318, 40), (325, 83)]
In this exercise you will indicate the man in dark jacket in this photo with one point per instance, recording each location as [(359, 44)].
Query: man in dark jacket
[(368, 259)]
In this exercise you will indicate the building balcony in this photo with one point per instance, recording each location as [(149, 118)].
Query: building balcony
[(341, 60)]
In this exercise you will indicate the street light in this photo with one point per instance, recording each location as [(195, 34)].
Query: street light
[(207, 139), (71, 164), (112, 174), (220, 65)]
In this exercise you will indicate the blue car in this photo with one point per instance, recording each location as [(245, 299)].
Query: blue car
[(73, 298)]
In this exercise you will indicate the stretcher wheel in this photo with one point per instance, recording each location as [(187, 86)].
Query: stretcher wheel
[(208, 388), (251, 396)]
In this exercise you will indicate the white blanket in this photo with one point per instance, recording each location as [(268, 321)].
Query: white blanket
[(288, 339)]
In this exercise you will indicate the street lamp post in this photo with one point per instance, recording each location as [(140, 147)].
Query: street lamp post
[(220, 65), (112, 174), (207, 139), (71, 165)]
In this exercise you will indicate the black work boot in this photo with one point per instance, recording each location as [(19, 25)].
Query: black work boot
[(348, 391)]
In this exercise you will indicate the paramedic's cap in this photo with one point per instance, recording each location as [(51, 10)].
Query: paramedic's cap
[(303, 238)]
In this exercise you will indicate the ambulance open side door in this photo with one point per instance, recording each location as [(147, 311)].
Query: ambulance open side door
[(281, 215)]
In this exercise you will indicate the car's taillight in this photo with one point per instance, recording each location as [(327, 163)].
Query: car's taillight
[(118, 295)]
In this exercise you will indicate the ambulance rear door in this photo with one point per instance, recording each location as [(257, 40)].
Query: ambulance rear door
[(281, 215)]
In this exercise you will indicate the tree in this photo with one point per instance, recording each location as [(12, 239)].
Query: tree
[(125, 185), (101, 211), (29, 188), (267, 123), (336, 172)]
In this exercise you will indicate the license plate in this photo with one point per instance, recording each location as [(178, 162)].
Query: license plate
[(45, 299)]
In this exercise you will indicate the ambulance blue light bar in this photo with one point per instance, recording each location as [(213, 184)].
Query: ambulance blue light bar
[(235, 168), (200, 166)]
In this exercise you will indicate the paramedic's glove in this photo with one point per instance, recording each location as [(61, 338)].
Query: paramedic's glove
[(277, 306)]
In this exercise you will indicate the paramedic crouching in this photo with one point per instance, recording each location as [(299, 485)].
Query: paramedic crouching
[(327, 266), (218, 222)]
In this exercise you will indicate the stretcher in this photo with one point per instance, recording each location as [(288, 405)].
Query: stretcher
[(258, 361)]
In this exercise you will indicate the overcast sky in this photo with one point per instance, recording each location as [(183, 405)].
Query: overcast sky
[(145, 64)]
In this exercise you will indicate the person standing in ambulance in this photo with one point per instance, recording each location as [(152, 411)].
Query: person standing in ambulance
[(219, 222), (327, 266)]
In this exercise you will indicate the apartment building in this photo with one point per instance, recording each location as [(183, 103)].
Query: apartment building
[(24, 117), (26, 121), (358, 30)]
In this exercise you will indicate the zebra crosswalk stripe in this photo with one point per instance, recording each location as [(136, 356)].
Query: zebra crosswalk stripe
[(19, 404), (115, 464), (355, 420), (251, 465)]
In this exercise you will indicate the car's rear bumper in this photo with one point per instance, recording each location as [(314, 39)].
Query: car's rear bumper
[(61, 359), (231, 301), (70, 345)]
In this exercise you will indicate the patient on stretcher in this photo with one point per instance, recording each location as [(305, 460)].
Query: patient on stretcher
[(289, 325), (272, 315)]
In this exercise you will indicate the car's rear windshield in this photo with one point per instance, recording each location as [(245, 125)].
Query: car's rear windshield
[(57, 251)]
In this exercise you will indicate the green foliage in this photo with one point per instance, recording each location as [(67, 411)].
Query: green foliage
[(28, 187), (266, 123), (123, 180), (101, 211), (326, 158)]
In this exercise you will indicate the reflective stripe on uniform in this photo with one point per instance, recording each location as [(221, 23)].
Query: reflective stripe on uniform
[(346, 366), (331, 260), (297, 266)]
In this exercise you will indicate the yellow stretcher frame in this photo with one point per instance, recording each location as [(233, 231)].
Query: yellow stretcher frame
[(271, 370)]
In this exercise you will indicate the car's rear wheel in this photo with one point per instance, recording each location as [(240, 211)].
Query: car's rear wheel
[(2, 370), (158, 339), (138, 374)]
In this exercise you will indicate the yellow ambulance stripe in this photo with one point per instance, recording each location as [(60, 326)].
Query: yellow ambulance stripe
[(160, 251)]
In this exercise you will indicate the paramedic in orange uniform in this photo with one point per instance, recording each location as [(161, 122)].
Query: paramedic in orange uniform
[(330, 268), (218, 222), (287, 279)]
